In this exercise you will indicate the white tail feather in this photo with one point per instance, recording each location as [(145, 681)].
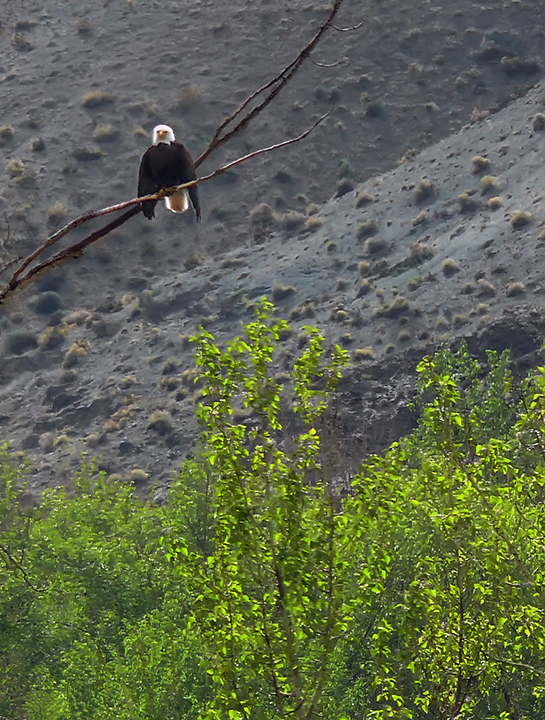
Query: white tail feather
[(177, 202)]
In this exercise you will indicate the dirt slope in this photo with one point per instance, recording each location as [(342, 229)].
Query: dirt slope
[(95, 357)]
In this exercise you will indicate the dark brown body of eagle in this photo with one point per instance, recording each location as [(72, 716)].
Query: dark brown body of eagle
[(165, 164)]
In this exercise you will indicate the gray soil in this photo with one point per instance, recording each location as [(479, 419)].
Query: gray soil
[(392, 228)]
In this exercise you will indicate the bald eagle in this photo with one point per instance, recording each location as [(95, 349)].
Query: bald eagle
[(165, 164)]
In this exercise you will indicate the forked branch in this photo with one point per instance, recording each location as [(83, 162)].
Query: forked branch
[(23, 273), (237, 121)]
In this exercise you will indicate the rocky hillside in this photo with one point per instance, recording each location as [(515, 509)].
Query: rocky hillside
[(95, 357)]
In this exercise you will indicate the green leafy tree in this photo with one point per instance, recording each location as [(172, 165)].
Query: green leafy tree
[(272, 588), (460, 631), (259, 591)]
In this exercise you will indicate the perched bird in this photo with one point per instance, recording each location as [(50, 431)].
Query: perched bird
[(165, 164)]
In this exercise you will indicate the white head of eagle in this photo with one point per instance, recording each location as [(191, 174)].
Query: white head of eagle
[(163, 134), (165, 164)]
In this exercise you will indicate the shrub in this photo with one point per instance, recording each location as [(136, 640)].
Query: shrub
[(363, 198), (364, 353), (97, 98), (313, 223), (479, 164), (263, 221), (424, 190), (520, 218), (450, 267), (366, 229), (281, 292), (397, 307)]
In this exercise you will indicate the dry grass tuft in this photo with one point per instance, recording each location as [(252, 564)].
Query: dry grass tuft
[(479, 164), (520, 218), (97, 98), (450, 267)]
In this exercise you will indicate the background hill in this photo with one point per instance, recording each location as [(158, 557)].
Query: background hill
[(421, 244)]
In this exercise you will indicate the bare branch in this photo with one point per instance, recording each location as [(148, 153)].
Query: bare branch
[(8, 263), (345, 62), (24, 272), (220, 171), (275, 86), (349, 29), (21, 277)]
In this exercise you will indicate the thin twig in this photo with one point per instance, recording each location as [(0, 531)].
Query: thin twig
[(11, 560), (8, 263), (349, 29), (345, 62)]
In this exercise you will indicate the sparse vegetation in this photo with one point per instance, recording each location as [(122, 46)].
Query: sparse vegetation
[(194, 260), (363, 267), (489, 184), (281, 292), (346, 339), (190, 96), (494, 203), (160, 422), (460, 319), (20, 341), (6, 134), (293, 221), (363, 198), (486, 288), (313, 223), (366, 229), (56, 214), (516, 288), (263, 222), (375, 245), (344, 187), (375, 109), (364, 288), (137, 476), (397, 307), (97, 98), (421, 252), (83, 26), (363, 353), (346, 170), (52, 337), (414, 283), (468, 202), (538, 122), (16, 168), (520, 218), (47, 303), (424, 190), (450, 267), (21, 42), (105, 132), (479, 164), (302, 312)]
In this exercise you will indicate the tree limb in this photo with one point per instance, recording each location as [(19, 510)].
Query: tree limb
[(221, 136), (21, 277), (274, 86)]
